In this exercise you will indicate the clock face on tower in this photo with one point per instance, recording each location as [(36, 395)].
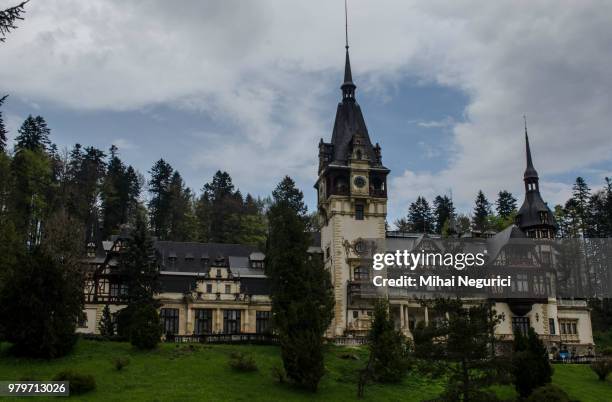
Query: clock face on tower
[(359, 181)]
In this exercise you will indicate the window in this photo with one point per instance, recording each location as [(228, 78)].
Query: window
[(170, 320), (361, 274), (231, 321), (228, 288), (355, 313), (203, 321), (568, 327), (520, 324), (257, 264), (218, 273), (520, 284), (262, 322), (209, 288), (359, 212), (551, 326), (82, 320)]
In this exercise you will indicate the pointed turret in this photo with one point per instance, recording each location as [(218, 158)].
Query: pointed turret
[(534, 217), (348, 87)]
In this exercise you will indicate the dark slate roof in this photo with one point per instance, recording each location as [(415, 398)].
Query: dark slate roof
[(511, 234), (188, 255), (177, 283), (349, 121), (529, 214), (255, 286)]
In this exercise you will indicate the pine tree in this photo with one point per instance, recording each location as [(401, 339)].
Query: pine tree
[(505, 204), (301, 292), (3, 131), (578, 206), (444, 211), (33, 135), (286, 191), (420, 218), (402, 225), (159, 205), (218, 210), (482, 210), (8, 18), (181, 226), (106, 324)]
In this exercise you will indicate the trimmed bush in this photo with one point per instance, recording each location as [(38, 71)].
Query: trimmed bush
[(145, 329), (548, 393), (602, 368), (79, 383), (120, 362), (242, 362)]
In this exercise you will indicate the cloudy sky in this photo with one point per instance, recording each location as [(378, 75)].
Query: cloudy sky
[(251, 86)]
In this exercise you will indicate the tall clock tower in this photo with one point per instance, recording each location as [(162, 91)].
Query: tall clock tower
[(352, 206)]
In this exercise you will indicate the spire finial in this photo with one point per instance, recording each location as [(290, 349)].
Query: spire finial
[(530, 172), (346, 24)]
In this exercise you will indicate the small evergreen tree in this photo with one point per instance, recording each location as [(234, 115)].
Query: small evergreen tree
[(419, 219), (388, 347), (482, 210), (505, 204), (106, 325), (530, 365), (287, 192), (301, 292), (444, 211)]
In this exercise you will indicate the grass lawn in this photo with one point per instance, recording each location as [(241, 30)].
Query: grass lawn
[(201, 373)]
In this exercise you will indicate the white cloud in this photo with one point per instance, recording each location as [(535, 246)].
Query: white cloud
[(258, 65)]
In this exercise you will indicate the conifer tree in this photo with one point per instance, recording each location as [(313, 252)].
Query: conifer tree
[(159, 205), (33, 135), (482, 210), (8, 18), (287, 192), (505, 204), (106, 324), (444, 211), (530, 364), (301, 292), (181, 225), (3, 131), (420, 218)]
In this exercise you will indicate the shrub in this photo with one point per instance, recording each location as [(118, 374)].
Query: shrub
[(607, 351), (278, 373), (548, 393), (530, 365), (242, 362), (79, 383), (120, 362), (602, 368), (145, 330), (388, 347), (106, 325), (39, 305)]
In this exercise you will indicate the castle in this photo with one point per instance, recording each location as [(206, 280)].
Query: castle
[(222, 289)]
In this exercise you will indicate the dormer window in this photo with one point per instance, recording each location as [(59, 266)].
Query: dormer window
[(218, 273), (543, 217), (359, 211)]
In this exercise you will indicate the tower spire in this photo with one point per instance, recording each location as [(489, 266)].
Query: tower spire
[(348, 87), (530, 171)]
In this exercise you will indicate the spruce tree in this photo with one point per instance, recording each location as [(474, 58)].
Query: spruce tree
[(530, 364), (3, 131), (159, 205), (33, 135), (106, 324), (388, 347), (505, 204), (218, 210), (181, 226), (420, 217), (286, 191), (8, 18), (482, 210), (301, 292), (139, 321), (444, 211)]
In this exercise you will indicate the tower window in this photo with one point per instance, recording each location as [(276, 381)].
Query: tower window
[(359, 212)]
